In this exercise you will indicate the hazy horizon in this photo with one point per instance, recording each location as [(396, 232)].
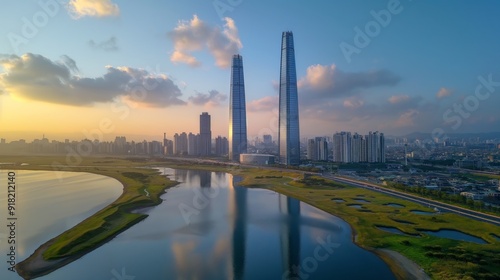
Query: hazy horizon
[(141, 69), (31, 136)]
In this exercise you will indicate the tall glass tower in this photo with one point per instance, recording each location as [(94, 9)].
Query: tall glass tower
[(288, 134), (237, 111)]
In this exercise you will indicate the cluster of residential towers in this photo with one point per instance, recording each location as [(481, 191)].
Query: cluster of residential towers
[(348, 148)]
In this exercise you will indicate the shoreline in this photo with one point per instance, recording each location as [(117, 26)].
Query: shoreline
[(36, 265), (402, 267)]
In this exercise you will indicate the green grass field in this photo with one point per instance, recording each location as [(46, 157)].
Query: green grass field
[(480, 177), (441, 258)]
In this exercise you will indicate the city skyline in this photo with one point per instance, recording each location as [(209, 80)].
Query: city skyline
[(118, 69)]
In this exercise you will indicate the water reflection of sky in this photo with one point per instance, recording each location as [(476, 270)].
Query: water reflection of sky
[(206, 228), (49, 203)]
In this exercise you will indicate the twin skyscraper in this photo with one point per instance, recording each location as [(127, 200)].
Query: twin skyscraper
[(288, 133)]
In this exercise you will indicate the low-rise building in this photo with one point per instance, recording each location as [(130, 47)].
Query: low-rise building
[(257, 159), (472, 195)]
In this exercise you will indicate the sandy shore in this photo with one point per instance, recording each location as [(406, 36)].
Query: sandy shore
[(35, 265), (401, 266)]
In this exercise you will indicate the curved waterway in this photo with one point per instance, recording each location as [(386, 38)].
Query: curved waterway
[(47, 204), (208, 228)]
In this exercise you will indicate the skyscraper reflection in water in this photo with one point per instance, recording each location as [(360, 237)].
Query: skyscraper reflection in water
[(290, 234), (239, 231)]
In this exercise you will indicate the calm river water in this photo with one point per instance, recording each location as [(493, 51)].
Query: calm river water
[(48, 203), (207, 228)]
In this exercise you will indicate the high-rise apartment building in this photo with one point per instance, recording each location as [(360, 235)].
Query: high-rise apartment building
[(168, 147), (349, 148), (120, 146), (221, 146), (288, 133), (181, 144), (321, 148), (237, 111), (376, 147), (311, 150), (317, 149), (337, 147), (382, 148), (205, 148), (193, 144), (356, 147), (342, 147)]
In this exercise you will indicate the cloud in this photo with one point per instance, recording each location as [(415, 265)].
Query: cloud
[(181, 57), (335, 100), (353, 103), (329, 95), (358, 107), (407, 119), (319, 77), (264, 104), (404, 114), (329, 81), (213, 98), (70, 63), (443, 92), (398, 99), (107, 45), (92, 8), (196, 35), (35, 77)]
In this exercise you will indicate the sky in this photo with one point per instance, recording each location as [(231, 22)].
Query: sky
[(98, 69)]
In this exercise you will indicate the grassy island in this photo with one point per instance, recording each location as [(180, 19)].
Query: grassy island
[(142, 187)]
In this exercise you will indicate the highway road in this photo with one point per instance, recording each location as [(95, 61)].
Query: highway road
[(424, 201)]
